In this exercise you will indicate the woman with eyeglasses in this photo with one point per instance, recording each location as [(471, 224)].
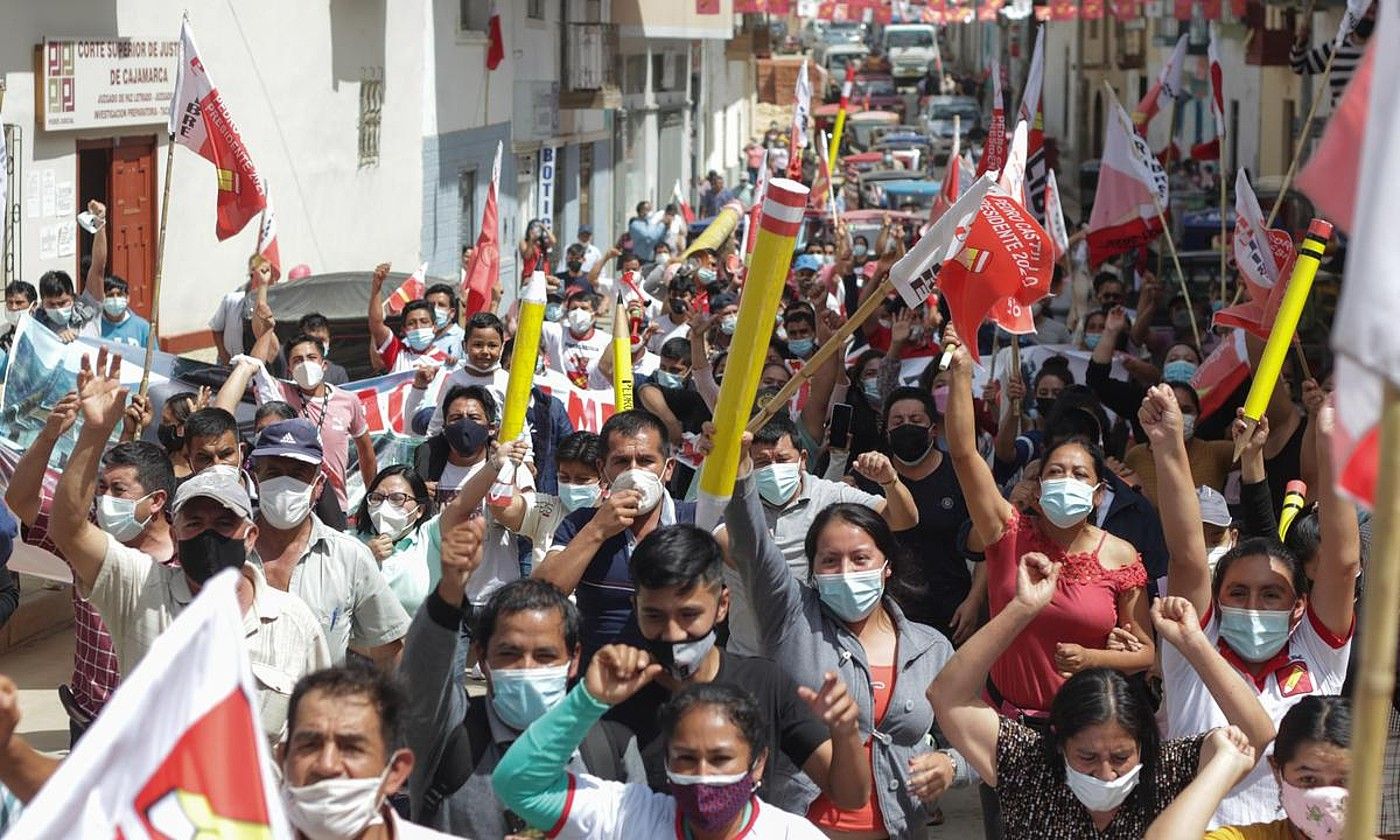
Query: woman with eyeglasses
[(396, 520)]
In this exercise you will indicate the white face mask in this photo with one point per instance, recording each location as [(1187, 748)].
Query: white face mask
[(309, 374), (334, 809), (12, 316), (1096, 794), (390, 521), (284, 501), (580, 320), (1213, 556), (645, 482), (117, 516)]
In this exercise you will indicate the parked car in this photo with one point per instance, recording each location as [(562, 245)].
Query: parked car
[(876, 92), (834, 59), (940, 113)]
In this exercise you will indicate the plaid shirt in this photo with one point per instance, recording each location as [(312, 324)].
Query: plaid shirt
[(95, 673)]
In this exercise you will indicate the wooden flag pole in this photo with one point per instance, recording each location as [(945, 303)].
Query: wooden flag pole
[(1180, 275), (828, 349), (1016, 372), (1380, 624), (1225, 239), (1302, 138), (160, 267)]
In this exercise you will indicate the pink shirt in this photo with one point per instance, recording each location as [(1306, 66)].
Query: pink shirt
[(1083, 611), (339, 415)]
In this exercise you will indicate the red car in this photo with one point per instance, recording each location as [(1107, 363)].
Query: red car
[(876, 91)]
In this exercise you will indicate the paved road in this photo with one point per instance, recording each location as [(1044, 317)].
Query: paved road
[(39, 667)]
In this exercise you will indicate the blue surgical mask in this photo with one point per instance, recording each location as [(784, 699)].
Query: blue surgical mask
[(667, 379), (59, 315), (114, 306), (521, 696), (871, 387), (441, 316), (706, 276), (578, 496), (802, 347), (1255, 635), (777, 482), (1066, 501), (419, 340), (852, 596), (1178, 370), (554, 312), (1091, 340), (729, 323)]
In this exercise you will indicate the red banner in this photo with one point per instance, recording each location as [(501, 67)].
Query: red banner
[(988, 10), (1092, 10), (1064, 9)]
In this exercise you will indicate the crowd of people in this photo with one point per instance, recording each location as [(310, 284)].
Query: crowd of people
[(1055, 587)]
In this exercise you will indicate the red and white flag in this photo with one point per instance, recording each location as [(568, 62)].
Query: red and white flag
[(1221, 373), (951, 187), (801, 113), (1331, 175), (820, 198), (678, 196), (847, 85), (1003, 267), (1131, 187), (1165, 91), (1033, 113), (484, 269), (267, 238), (1364, 335), (1355, 11), (1055, 217), (1264, 257), (496, 46), (179, 750), (755, 210), (411, 290), (199, 121), (1013, 174), (1217, 84), (994, 147)]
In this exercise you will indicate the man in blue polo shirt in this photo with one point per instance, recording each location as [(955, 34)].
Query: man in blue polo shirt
[(118, 322), (593, 545)]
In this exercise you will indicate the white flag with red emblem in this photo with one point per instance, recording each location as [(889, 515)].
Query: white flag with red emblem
[(199, 121), (801, 113), (1217, 85), (179, 751), (1364, 335), (1055, 217)]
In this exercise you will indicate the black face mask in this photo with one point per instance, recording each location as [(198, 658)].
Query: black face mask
[(170, 438), (678, 306), (681, 659), (466, 436), (1044, 405), (910, 443), (209, 552), (574, 266)]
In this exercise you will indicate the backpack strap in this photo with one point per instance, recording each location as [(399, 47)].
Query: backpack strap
[(462, 752), (602, 750)]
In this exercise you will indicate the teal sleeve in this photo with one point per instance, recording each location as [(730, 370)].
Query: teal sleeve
[(530, 778)]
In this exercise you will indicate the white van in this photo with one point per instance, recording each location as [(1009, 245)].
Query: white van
[(911, 49)]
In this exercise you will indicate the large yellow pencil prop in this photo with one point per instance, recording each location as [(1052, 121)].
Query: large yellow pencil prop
[(841, 117), (1285, 325), (523, 358), (622, 357), (783, 207)]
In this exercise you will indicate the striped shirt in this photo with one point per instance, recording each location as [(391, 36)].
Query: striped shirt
[(1314, 61)]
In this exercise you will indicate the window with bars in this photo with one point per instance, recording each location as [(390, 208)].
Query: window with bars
[(371, 106), (466, 198), (473, 15), (534, 9)]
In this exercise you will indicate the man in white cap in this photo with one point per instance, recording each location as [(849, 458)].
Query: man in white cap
[(214, 530)]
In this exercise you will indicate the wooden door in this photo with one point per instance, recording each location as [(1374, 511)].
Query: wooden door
[(131, 225)]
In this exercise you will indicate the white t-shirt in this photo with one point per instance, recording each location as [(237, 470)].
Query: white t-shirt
[(572, 355), (666, 329), (645, 366), (495, 382), (1313, 662), (229, 318), (598, 808), (500, 558)]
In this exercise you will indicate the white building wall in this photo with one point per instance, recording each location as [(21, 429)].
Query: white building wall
[(290, 76)]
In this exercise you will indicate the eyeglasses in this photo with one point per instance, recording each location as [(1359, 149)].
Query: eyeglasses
[(396, 499)]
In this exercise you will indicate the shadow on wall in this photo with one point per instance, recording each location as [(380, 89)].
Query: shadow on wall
[(27, 23)]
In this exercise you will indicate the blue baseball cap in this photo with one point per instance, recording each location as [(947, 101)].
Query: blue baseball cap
[(297, 439), (807, 262)]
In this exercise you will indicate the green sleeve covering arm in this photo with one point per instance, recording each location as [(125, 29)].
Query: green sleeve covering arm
[(530, 778)]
